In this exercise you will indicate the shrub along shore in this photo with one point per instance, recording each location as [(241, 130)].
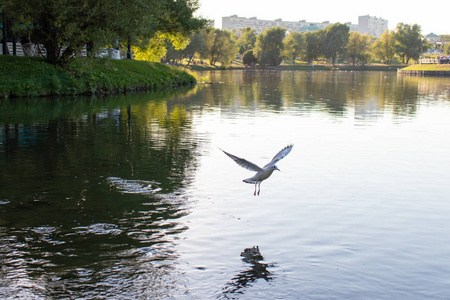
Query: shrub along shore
[(32, 77)]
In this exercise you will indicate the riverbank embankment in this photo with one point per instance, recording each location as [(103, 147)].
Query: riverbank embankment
[(426, 70), (300, 67), (33, 77)]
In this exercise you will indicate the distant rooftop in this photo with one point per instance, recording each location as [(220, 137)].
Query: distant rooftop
[(309, 28)]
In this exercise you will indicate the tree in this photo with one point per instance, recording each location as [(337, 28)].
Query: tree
[(384, 47), (408, 42), (218, 46), (294, 46), (249, 58), (64, 26), (158, 46), (9, 24), (195, 45), (246, 40), (335, 41), (446, 49), (269, 45), (313, 45), (358, 47)]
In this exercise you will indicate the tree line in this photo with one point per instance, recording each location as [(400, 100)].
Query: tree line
[(167, 30), (64, 27), (274, 45)]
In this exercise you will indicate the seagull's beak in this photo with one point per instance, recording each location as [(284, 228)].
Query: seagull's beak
[(276, 168)]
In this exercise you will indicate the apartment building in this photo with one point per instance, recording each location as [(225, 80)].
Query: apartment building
[(372, 25), (235, 22)]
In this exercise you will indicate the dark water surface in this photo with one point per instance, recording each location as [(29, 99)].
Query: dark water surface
[(129, 196)]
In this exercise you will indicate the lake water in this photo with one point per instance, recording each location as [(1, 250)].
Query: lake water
[(130, 197)]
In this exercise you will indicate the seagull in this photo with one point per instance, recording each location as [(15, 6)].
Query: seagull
[(261, 173)]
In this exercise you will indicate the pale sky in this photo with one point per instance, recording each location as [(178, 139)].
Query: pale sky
[(432, 16)]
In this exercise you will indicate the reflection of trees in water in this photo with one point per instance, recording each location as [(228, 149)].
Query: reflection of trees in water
[(139, 135), (59, 163), (246, 278), (91, 196), (369, 93)]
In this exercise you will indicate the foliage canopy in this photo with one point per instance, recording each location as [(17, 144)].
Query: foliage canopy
[(218, 46), (358, 48), (65, 26), (384, 47), (408, 41), (294, 46), (269, 46), (313, 45), (335, 41), (246, 40)]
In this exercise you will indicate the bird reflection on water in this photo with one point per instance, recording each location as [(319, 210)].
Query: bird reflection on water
[(248, 277)]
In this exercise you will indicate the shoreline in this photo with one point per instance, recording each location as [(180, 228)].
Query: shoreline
[(33, 77), (299, 67), (423, 73), (426, 70)]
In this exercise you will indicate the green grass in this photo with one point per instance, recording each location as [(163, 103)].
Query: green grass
[(298, 66), (372, 67), (32, 76), (304, 67), (443, 67)]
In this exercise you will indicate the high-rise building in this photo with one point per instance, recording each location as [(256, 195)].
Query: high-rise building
[(372, 25)]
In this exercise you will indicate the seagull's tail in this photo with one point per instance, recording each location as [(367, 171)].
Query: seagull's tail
[(250, 180)]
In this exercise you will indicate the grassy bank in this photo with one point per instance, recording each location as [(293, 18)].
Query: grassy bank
[(32, 76), (426, 70), (297, 66), (304, 67), (428, 67)]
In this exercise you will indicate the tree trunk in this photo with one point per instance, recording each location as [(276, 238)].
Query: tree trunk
[(52, 52), (14, 46), (90, 49), (66, 57), (5, 48), (190, 59), (129, 49)]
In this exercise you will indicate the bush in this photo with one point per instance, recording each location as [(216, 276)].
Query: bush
[(249, 58)]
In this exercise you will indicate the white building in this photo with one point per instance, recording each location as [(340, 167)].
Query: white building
[(235, 23), (372, 25), (433, 38)]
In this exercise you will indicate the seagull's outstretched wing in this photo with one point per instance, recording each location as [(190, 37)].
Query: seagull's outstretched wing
[(243, 163), (280, 155)]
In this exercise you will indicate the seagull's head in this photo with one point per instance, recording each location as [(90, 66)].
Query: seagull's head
[(274, 168)]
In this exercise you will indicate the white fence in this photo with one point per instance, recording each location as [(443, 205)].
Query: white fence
[(429, 61), (30, 49)]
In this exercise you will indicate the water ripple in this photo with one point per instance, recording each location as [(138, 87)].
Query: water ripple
[(98, 229), (134, 186)]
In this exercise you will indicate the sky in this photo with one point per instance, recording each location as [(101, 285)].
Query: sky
[(432, 16)]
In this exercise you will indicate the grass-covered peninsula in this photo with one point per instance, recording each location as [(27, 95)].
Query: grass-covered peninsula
[(428, 67), (427, 70), (32, 76)]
